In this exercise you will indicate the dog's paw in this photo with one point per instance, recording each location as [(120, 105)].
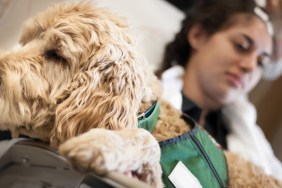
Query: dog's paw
[(101, 151), (97, 150)]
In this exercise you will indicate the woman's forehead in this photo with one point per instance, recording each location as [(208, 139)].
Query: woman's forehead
[(253, 27), (242, 19)]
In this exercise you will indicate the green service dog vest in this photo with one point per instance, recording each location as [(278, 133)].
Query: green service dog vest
[(195, 149)]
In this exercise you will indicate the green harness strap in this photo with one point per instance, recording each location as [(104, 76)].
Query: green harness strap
[(149, 119), (195, 149)]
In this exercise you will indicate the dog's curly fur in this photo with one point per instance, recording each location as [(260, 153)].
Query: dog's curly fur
[(77, 70)]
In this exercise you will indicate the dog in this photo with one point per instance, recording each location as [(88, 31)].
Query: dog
[(78, 83)]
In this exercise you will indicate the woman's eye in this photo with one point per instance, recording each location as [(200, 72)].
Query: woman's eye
[(52, 55), (241, 47)]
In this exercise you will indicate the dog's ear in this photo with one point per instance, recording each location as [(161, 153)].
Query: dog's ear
[(109, 83), (106, 94)]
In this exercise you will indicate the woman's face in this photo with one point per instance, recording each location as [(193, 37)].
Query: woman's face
[(229, 62)]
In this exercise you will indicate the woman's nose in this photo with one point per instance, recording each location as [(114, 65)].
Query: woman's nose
[(249, 63)]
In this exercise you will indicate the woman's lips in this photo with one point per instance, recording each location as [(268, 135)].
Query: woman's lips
[(235, 80)]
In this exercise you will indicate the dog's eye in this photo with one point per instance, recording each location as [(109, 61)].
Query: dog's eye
[(52, 55)]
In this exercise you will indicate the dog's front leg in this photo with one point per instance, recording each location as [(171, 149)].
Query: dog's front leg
[(127, 150)]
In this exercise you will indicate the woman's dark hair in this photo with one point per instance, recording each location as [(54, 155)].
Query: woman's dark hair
[(212, 16)]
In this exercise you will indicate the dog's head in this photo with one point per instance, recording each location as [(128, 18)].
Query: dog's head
[(76, 70)]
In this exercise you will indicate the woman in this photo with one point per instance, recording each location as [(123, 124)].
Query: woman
[(217, 57)]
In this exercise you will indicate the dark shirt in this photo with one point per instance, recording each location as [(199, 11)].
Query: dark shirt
[(5, 135), (214, 123)]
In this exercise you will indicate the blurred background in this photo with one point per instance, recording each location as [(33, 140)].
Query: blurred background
[(154, 23)]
